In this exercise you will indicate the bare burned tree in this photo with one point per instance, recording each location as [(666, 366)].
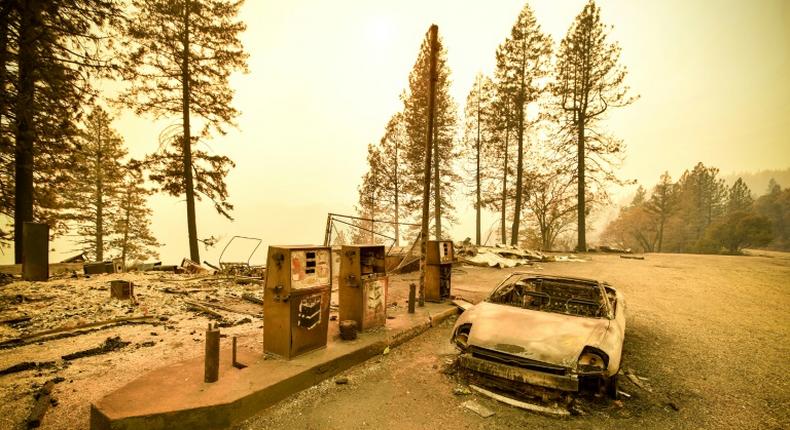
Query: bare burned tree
[(589, 82), (182, 55)]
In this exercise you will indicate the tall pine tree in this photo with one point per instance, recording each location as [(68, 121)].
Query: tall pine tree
[(477, 138), (415, 115), (662, 204), (94, 198), (49, 53), (132, 239), (523, 61), (182, 55), (386, 174), (739, 197), (589, 80)]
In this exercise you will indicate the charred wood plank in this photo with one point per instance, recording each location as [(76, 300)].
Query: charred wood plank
[(27, 365), (109, 345), (201, 308), (64, 332), (43, 399), (251, 298)]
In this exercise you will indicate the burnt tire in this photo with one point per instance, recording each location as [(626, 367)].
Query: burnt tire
[(612, 387)]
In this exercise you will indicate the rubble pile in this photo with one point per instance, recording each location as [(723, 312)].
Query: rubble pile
[(500, 256)]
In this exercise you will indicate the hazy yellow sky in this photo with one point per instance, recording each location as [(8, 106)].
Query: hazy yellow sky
[(714, 80)]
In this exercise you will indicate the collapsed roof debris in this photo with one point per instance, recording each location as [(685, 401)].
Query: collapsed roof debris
[(505, 256)]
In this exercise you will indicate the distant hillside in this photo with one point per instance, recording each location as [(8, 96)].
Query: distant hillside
[(758, 181)]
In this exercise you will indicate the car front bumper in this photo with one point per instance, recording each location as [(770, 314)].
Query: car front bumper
[(518, 374)]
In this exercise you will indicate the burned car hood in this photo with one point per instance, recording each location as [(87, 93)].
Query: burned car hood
[(543, 336)]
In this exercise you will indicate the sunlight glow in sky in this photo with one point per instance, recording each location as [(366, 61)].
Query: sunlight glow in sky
[(714, 80)]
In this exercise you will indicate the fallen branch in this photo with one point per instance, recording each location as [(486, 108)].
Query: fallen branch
[(110, 344), (58, 333), (632, 257), (251, 298), (201, 308), (523, 405), (27, 365)]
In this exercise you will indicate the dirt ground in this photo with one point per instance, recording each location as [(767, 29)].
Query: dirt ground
[(709, 334)]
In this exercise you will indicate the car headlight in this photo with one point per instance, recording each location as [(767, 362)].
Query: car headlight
[(592, 360), (461, 338)]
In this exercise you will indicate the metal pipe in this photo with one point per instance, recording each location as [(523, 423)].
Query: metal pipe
[(412, 294), (212, 354)]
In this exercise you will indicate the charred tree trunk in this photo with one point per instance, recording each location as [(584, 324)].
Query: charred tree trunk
[(25, 127), (426, 186), (397, 197), (194, 252), (520, 157), (99, 201), (504, 179), (582, 208), (437, 196), (477, 176), (5, 12)]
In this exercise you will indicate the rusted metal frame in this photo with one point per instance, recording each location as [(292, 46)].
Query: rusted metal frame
[(609, 310), (373, 220), (513, 373), (219, 260), (365, 229)]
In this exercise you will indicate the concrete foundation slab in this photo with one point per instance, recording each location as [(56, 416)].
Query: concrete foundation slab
[(175, 396)]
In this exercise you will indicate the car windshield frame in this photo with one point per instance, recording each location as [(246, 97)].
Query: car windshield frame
[(522, 276)]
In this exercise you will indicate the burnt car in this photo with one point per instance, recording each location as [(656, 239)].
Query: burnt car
[(556, 332)]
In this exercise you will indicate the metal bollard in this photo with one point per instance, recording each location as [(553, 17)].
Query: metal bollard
[(212, 354), (412, 297)]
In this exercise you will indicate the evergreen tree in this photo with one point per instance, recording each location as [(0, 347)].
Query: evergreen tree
[(775, 205), (182, 55), (662, 205), (589, 80), (369, 207), (639, 197), (49, 53), (499, 191), (386, 174), (415, 115), (477, 137), (94, 198), (739, 197), (132, 238), (522, 65)]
